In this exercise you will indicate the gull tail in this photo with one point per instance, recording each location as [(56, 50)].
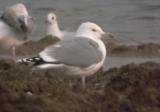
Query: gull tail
[(32, 61), (38, 61)]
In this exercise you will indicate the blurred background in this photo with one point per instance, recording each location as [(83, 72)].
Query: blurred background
[(133, 21)]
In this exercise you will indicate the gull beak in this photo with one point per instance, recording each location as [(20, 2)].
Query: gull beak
[(26, 23), (23, 23), (31, 18), (110, 35), (47, 22)]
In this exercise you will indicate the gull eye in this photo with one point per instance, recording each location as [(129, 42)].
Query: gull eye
[(94, 30), (52, 18)]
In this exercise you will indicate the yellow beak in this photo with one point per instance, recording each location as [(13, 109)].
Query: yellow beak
[(109, 34)]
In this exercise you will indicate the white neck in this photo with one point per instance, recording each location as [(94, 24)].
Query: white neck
[(88, 36), (91, 36), (53, 29)]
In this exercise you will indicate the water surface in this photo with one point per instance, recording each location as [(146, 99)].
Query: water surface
[(119, 61), (134, 21)]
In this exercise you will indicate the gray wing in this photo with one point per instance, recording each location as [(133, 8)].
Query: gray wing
[(76, 51)]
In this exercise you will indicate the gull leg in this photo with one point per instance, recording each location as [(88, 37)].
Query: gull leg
[(14, 53), (70, 83), (83, 79)]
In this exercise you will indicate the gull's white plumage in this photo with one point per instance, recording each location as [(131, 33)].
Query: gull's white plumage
[(88, 34), (14, 26), (53, 28), (8, 36)]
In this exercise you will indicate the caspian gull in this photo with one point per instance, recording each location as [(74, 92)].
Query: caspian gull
[(81, 56)]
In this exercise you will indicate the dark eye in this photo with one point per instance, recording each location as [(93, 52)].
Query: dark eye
[(94, 30), (52, 18)]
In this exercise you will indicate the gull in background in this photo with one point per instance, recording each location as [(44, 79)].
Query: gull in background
[(53, 29), (81, 56), (15, 27)]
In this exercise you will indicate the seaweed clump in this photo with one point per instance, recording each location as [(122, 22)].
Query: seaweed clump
[(130, 88)]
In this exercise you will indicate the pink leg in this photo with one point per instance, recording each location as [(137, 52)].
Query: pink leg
[(83, 78), (14, 53)]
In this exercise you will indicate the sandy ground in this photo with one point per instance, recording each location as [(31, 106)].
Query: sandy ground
[(130, 88)]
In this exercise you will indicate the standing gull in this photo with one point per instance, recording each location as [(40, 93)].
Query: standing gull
[(53, 29), (15, 26), (82, 56)]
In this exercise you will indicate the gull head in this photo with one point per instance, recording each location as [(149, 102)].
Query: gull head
[(18, 17), (51, 18), (20, 9), (24, 19), (91, 30)]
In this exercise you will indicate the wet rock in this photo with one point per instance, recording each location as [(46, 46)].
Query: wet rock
[(144, 50), (34, 47)]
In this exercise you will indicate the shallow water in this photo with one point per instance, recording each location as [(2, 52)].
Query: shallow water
[(119, 61), (134, 21)]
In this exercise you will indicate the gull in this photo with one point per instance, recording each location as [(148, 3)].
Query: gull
[(81, 56), (53, 29), (15, 27)]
